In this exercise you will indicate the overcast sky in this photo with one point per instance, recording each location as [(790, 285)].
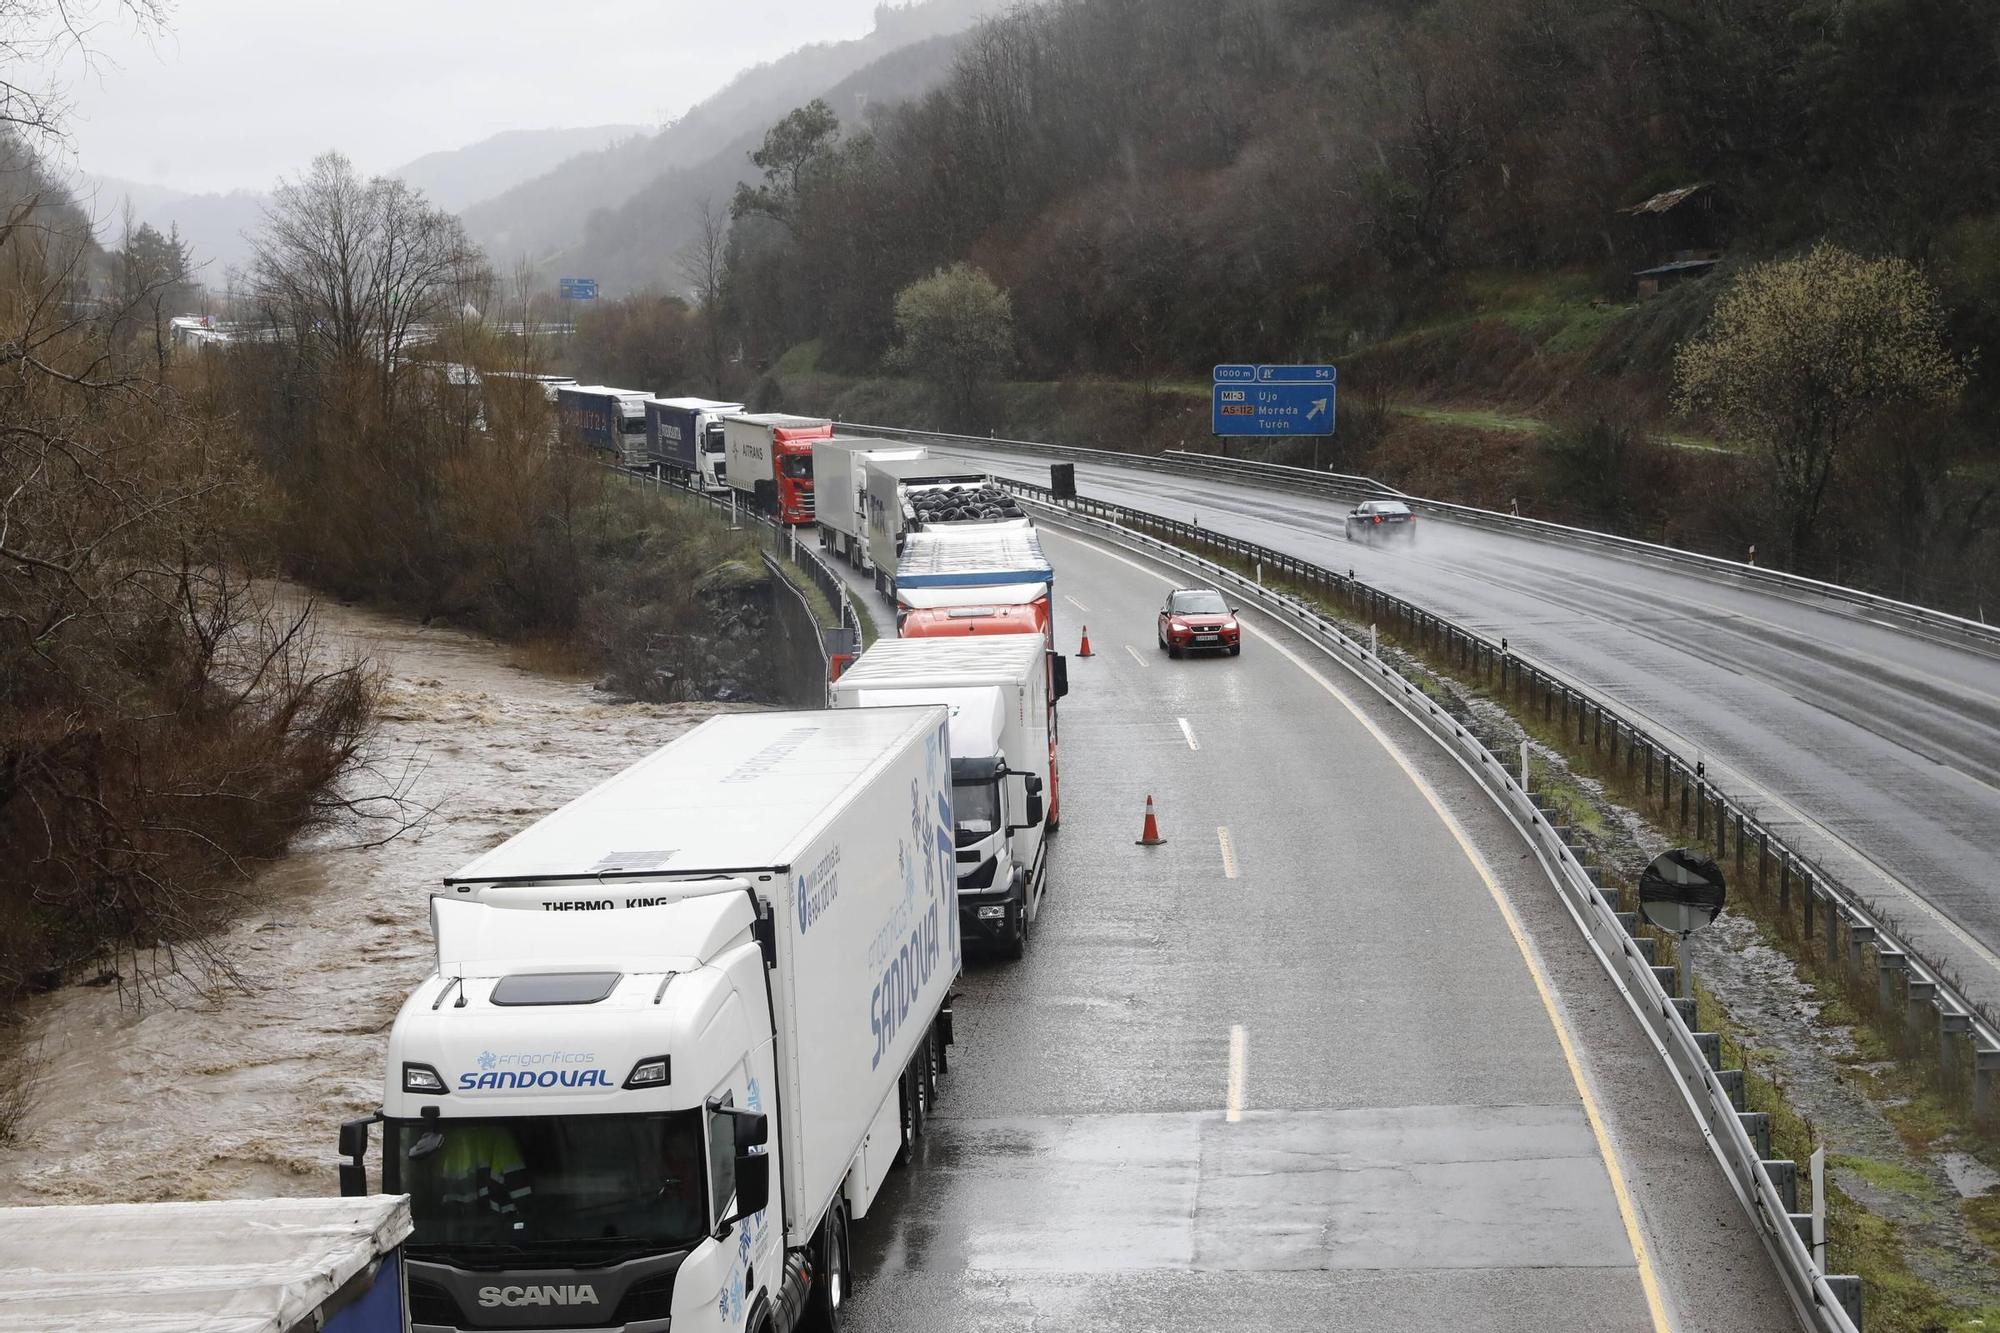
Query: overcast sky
[(239, 92)]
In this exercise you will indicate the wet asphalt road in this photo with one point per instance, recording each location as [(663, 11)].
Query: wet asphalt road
[(1873, 749), (1290, 1070)]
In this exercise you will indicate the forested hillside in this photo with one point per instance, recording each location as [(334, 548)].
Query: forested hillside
[(1155, 180)]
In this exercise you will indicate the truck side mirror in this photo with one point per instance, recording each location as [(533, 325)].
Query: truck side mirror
[(753, 1129), (1061, 666), (354, 1147), (1032, 785), (753, 1184)]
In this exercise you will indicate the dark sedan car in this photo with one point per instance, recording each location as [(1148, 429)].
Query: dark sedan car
[(1381, 520), (1198, 620)]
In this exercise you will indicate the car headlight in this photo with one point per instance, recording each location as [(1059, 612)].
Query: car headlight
[(1229, 625), (1178, 626)]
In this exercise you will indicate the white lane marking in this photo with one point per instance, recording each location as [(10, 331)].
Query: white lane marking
[(1078, 605), (1135, 654), (1239, 1059), (1188, 732), (1228, 851), (1614, 1166)]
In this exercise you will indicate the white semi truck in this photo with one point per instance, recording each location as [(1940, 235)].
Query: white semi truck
[(840, 481), (997, 688), (678, 1032), (892, 487)]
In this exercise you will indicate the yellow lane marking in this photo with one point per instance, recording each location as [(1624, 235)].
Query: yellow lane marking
[(1239, 1058)]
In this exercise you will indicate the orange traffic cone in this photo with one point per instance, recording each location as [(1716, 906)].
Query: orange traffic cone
[(1085, 650), (1150, 835)]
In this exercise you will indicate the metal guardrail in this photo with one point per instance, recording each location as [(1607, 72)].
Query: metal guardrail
[(1834, 921), (1822, 1301), (1351, 487)]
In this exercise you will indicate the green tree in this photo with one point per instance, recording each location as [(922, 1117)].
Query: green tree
[(1803, 356), (791, 149), (955, 329)]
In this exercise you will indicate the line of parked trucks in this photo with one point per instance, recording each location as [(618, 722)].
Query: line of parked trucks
[(680, 1030)]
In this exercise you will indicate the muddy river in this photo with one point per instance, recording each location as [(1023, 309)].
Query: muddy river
[(217, 1090)]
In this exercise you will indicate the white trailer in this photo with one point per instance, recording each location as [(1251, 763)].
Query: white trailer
[(840, 482), (892, 512), (716, 983), (997, 688)]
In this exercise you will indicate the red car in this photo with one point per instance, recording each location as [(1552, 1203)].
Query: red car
[(1197, 619)]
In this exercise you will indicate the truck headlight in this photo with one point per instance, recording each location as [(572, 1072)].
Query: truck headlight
[(992, 914), (423, 1079), (655, 1071)]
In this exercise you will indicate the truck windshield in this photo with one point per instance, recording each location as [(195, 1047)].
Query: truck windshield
[(798, 466), (593, 1183), (976, 807)]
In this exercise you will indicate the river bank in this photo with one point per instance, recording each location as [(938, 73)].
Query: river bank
[(220, 1087)]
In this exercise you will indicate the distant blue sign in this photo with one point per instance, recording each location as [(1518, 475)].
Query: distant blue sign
[(1295, 374), (1276, 400), (577, 289), (1236, 374)]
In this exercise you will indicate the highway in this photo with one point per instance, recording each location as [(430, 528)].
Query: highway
[(1334, 1058), (1873, 749)]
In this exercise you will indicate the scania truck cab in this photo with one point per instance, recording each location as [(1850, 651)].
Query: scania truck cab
[(678, 1033)]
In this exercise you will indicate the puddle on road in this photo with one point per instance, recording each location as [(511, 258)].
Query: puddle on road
[(238, 1091)]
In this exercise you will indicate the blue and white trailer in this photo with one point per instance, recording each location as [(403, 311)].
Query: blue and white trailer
[(613, 420), (226, 1266), (684, 437)]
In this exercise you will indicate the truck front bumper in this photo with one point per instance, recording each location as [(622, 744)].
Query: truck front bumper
[(984, 914)]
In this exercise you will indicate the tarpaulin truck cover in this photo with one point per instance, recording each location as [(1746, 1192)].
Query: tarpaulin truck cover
[(228, 1266)]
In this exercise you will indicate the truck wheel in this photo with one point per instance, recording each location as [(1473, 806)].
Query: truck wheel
[(826, 1308)]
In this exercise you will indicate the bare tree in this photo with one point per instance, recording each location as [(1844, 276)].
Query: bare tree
[(704, 262), (35, 36), (351, 268)]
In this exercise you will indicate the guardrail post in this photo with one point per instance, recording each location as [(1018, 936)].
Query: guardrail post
[(1808, 899), (1700, 814), (1763, 861), (1888, 964), (1835, 955), (1985, 1083), (1649, 768), (1954, 1048), (1784, 886), (1921, 1007)]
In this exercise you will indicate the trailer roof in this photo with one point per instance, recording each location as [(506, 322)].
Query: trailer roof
[(865, 443), (228, 1266), (922, 469), (972, 556), (748, 791), (982, 659), (780, 420), (698, 404)]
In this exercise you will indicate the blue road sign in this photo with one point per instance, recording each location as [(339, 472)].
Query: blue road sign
[(1295, 375), (1295, 400), (1236, 374), (577, 289)]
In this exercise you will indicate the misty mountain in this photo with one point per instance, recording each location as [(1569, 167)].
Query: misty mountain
[(459, 177), (212, 224), (636, 245), (547, 215), (215, 224)]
